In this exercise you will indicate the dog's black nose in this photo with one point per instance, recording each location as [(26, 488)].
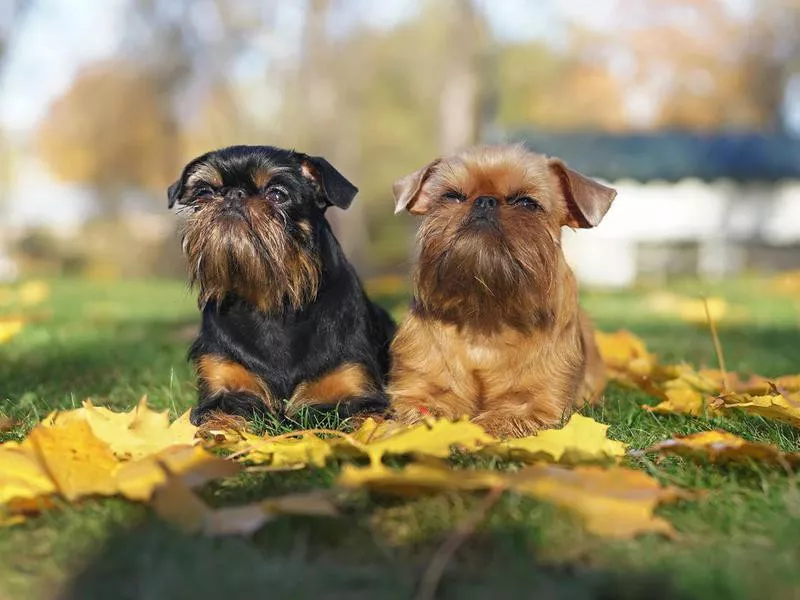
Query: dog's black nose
[(485, 202)]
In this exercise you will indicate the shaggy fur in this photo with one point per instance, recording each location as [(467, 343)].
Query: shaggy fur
[(286, 322), (495, 331)]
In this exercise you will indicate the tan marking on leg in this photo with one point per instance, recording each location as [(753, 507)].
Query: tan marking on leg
[(344, 382), (222, 375)]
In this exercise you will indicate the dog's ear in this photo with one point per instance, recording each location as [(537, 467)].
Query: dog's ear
[(587, 200), (174, 192), (336, 188), (408, 193)]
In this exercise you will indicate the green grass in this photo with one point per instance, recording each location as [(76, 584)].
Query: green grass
[(116, 342)]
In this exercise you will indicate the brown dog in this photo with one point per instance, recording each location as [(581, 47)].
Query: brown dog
[(495, 331)]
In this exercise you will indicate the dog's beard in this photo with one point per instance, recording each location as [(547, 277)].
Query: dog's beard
[(486, 275), (250, 254)]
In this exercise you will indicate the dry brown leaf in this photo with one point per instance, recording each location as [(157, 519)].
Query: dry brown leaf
[(7, 423), (582, 439), (721, 447)]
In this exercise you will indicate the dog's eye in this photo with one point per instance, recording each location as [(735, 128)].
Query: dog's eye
[(526, 201), (203, 191), (277, 195), (454, 196)]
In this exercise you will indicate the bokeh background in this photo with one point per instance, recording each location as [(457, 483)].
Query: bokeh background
[(690, 108)]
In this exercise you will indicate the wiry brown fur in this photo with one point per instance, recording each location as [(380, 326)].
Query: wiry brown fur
[(495, 332), (250, 255)]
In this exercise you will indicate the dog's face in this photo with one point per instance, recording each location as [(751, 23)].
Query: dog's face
[(490, 243), (255, 216)]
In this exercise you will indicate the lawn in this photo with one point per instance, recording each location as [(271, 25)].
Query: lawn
[(114, 342)]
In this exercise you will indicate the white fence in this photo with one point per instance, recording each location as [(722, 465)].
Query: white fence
[(721, 219)]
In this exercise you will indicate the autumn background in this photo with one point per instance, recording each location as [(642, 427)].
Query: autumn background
[(690, 108)]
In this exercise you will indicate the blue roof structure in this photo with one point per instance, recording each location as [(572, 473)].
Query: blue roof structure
[(672, 155)]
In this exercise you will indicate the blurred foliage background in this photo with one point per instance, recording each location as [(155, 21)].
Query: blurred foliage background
[(103, 103)]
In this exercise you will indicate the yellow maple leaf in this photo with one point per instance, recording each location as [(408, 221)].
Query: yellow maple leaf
[(22, 475), (130, 435), (781, 407), (79, 463), (415, 479), (582, 439), (618, 349), (431, 437), (295, 449), (680, 401), (721, 446), (613, 503), (137, 480), (10, 328)]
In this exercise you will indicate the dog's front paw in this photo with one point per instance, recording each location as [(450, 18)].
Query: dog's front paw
[(237, 404)]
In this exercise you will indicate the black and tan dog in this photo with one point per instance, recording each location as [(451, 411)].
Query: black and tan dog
[(286, 323)]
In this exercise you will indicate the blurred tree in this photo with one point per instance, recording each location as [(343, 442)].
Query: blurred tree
[(771, 58), (558, 89), (698, 64), (12, 15), (460, 110), (109, 131)]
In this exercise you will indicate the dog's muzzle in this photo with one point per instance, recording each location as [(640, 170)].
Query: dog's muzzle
[(484, 211)]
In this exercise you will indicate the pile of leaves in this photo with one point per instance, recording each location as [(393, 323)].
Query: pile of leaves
[(72, 456), (682, 389)]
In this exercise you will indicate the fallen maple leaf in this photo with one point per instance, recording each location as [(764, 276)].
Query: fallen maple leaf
[(782, 407), (137, 480), (79, 463), (289, 450), (581, 440), (64, 456), (615, 502), (22, 476), (621, 348), (681, 401), (721, 446), (416, 479), (612, 503), (431, 437), (685, 390), (130, 435)]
